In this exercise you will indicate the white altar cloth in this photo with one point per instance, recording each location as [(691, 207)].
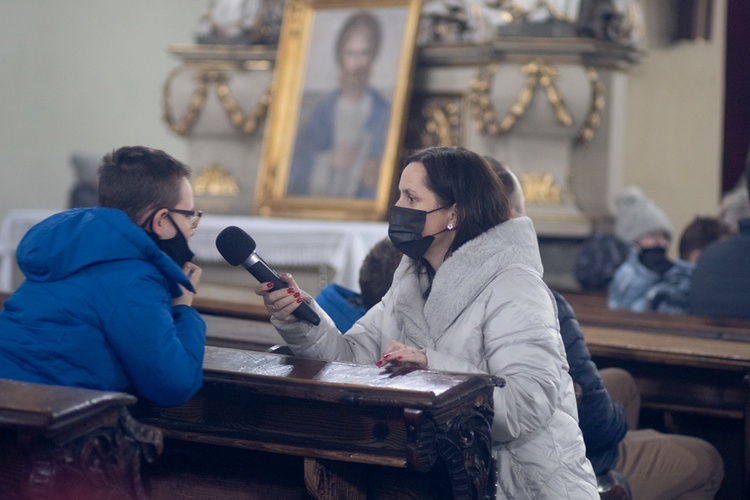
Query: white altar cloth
[(339, 245)]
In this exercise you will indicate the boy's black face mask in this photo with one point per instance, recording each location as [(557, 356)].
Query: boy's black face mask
[(655, 259), (177, 248)]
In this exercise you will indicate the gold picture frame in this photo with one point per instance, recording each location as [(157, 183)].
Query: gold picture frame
[(325, 156)]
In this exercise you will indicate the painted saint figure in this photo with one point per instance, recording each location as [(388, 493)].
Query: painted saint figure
[(339, 149)]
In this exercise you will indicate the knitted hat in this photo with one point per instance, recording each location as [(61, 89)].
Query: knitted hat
[(637, 216)]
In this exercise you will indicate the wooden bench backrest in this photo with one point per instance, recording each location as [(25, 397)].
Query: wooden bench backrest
[(591, 309)]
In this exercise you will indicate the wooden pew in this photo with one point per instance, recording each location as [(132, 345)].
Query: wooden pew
[(591, 309), (246, 306), (66, 443), (248, 334), (691, 367), (684, 365), (341, 430)]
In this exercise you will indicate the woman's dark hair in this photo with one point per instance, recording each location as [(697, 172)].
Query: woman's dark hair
[(137, 179), (457, 175)]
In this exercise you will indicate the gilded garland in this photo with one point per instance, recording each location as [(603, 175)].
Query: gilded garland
[(247, 124), (537, 73)]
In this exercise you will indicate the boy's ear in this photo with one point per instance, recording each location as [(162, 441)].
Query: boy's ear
[(159, 223)]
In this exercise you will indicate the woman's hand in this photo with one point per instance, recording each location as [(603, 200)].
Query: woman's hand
[(194, 274), (402, 355), (282, 302)]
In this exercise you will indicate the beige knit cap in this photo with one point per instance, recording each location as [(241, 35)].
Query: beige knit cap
[(637, 216)]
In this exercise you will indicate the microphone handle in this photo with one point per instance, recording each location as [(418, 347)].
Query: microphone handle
[(263, 274)]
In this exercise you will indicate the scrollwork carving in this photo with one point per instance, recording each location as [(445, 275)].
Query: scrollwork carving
[(466, 449), (460, 448), (105, 463), (421, 439), (436, 121), (540, 188), (215, 180)]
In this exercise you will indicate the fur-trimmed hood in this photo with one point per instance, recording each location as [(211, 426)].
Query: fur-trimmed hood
[(461, 278)]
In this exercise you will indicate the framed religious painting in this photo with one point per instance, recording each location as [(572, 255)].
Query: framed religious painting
[(337, 116)]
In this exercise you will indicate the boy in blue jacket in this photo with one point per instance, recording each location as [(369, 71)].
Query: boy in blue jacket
[(107, 299)]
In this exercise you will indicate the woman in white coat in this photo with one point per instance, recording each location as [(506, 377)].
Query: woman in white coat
[(468, 296)]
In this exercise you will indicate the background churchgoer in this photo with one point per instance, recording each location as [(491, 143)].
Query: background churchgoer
[(106, 303), (601, 254), (469, 297), (698, 234), (735, 205), (338, 151), (721, 282), (656, 466), (346, 306), (648, 280), (83, 193)]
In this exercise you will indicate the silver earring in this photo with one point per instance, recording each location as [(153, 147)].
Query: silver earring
[(450, 227)]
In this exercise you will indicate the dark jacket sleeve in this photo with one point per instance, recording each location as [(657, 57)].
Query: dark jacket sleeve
[(602, 421)]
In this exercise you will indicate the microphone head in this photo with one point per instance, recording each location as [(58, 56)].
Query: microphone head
[(235, 245)]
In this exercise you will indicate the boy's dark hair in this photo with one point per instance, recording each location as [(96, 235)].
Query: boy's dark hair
[(138, 180), (376, 272), (700, 232)]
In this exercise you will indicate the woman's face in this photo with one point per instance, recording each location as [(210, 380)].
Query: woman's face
[(414, 193)]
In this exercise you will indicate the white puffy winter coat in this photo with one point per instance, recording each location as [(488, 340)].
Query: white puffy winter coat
[(488, 312)]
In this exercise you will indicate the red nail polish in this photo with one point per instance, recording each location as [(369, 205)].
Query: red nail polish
[(378, 363), (400, 357), (269, 285), (296, 294), (386, 356), (290, 290), (299, 300)]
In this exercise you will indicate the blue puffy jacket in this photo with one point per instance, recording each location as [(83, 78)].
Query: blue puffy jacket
[(344, 306), (635, 287), (95, 311)]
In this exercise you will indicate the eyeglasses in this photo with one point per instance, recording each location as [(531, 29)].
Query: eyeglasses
[(193, 216)]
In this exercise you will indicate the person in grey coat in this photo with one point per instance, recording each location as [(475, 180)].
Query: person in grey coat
[(468, 296)]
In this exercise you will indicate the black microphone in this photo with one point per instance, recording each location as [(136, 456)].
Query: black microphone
[(238, 248)]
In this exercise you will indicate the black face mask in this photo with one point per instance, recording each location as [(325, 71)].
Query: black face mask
[(655, 259), (405, 226), (177, 248)]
